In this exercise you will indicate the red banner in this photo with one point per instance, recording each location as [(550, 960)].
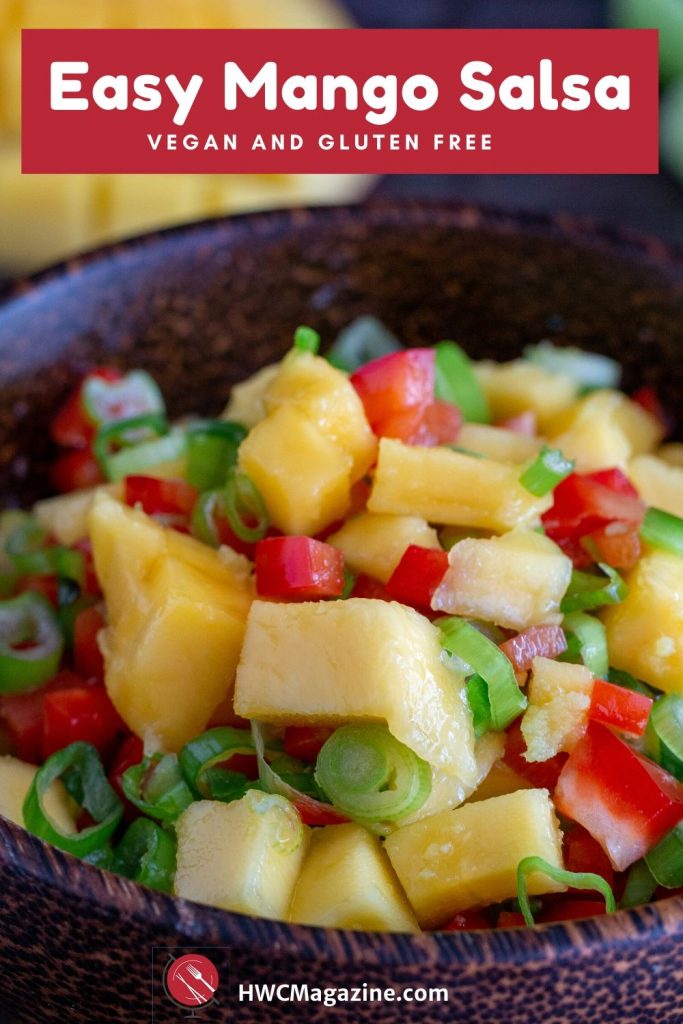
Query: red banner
[(399, 101)]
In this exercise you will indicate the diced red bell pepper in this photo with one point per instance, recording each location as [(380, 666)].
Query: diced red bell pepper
[(535, 642), (304, 742), (129, 753), (369, 587), (88, 659), (572, 909), (298, 567), (314, 812), (583, 853), (541, 774), (618, 544), (623, 709), (21, 715), (625, 801), (525, 424), (510, 919), (583, 504), (71, 427), (76, 470), (160, 497), (85, 713), (396, 382), (437, 423), (417, 576), (467, 921)]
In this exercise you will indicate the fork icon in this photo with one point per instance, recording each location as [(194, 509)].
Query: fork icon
[(198, 976)]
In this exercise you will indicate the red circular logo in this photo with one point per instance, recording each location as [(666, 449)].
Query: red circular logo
[(191, 980)]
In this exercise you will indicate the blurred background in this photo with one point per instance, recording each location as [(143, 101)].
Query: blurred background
[(44, 218)]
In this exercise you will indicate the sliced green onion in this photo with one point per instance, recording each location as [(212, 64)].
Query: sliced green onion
[(296, 774), (370, 775), (209, 749), (244, 508), (663, 530), (28, 549), (587, 590), (592, 641), (349, 584), (572, 879), (629, 682), (141, 458), (147, 854), (136, 393), (225, 785), (275, 784), (588, 369), (640, 886), (506, 700), (122, 434), (364, 339), (203, 524), (101, 857), (306, 339), (478, 697), (665, 861), (211, 451), (80, 769), (156, 787), (664, 734), (31, 643), (456, 382), (548, 469)]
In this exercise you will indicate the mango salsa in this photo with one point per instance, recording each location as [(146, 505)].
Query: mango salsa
[(177, 614)]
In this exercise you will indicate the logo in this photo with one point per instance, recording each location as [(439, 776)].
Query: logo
[(191, 982)]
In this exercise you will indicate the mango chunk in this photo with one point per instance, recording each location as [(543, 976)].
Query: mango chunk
[(448, 791), (671, 453), (604, 429), (516, 580), (658, 482), (304, 478), (177, 612), (518, 386), (66, 515), (445, 486), (559, 701), (374, 544), (15, 781), (243, 856), (468, 857), (336, 662), (500, 781), (645, 631), (247, 399), (326, 397), (497, 443), (365, 893)]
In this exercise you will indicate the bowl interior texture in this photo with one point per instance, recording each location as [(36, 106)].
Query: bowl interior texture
[(200, 308)]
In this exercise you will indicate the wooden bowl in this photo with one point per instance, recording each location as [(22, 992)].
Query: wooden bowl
[(202, 307)]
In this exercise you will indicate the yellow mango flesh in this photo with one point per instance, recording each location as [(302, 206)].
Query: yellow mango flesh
[(247, 399), (645, 631), (496, 443), (66, 515), (177, 612), (500, 781), (304, 478), (515, 387), (326, 397), (659, 483), (243, 856), (468, 857), (604, 429), (516, 580), (374, 544), (343, 661), (15, 781), (448, 791), (347, 882), (559, 702), (447, 487)]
